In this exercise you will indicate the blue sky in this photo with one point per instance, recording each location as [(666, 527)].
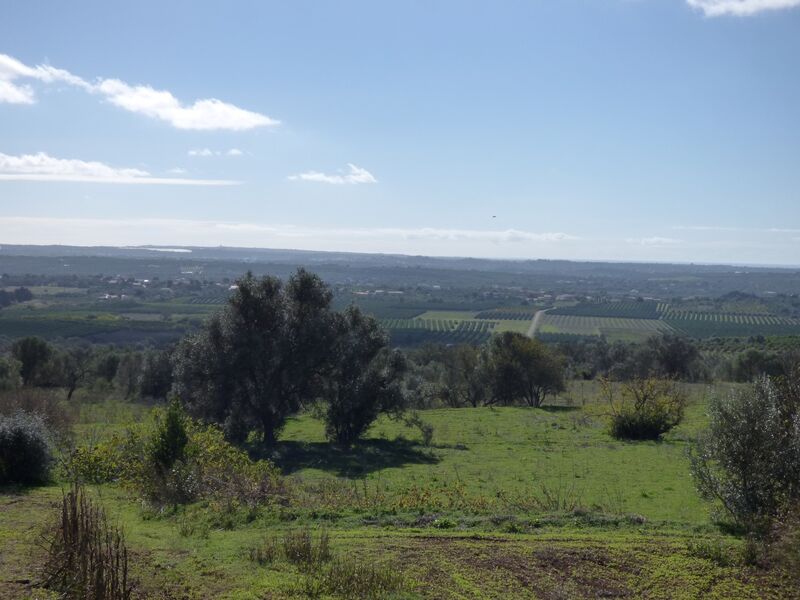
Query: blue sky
[(661, 130)]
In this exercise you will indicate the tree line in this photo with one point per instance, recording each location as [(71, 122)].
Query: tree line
[(277, 348)]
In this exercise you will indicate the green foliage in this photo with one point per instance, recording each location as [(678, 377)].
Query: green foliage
[(168, 443), (10, 378), (749, 459), (174, 460), (33, 355), (523, 369), (25, 449), (363, 380), (258, 358), (644, 409), (155, 378)]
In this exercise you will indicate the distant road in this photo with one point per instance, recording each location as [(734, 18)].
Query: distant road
[(537, 319)]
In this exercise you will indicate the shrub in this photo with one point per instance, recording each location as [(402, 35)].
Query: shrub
[(25, 454), (749, 458), (87, 557), (644, 409), (48, 404), (176, 460)]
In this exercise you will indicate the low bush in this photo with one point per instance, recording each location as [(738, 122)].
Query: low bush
[(25, 449), (47, 403), (644, 409), (87, 558), (174, 460), (749, 458)]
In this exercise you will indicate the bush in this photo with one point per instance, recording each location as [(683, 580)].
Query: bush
[(48, 404), (87, 557), (644, 409), (25, 454), (176, 460), (749, 458)]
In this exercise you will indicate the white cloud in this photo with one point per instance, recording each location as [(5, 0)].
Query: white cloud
[(43, 167), (16, 94), (177, 171), (209, 152), (654, 241), (204, 114), (354, 175), (740, 8)]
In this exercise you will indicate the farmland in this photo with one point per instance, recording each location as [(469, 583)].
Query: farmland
[(610, 327), (633, 320)]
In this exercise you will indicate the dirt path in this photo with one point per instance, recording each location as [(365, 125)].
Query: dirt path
[(537, 319)]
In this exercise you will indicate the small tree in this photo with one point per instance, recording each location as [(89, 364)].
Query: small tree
[(749, 458), (77, 365), (521, 368), (33, 354), (155, 378), (364, 379), (644, 408), (465, 378)]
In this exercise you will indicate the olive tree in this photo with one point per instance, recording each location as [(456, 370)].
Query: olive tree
[(260, 357), (364, 378), (749, 458), (521, 368)]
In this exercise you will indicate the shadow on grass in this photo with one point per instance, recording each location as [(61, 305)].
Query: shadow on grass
[(365, 457), (559, 409)]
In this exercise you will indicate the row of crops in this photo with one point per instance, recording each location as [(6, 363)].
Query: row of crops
[(506, 315), (707, 328), (742, 319), (417, 332), (211, 300), (625, 310), (576, 325)]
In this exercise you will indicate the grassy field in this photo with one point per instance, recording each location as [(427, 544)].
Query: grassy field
[(505, 503)]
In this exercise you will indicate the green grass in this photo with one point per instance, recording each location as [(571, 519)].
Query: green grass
[(506, 503)]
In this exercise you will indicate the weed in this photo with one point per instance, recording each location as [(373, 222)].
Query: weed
[(87, 557)]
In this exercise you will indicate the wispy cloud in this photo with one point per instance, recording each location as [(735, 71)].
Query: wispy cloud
[(353, 175), (740, 8), (654, 241), (210, 152), (43, 167), (734, 229), (11, 69), (196, 232), (203, 114)]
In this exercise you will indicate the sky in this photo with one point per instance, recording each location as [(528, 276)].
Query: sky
[(641, 130)]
